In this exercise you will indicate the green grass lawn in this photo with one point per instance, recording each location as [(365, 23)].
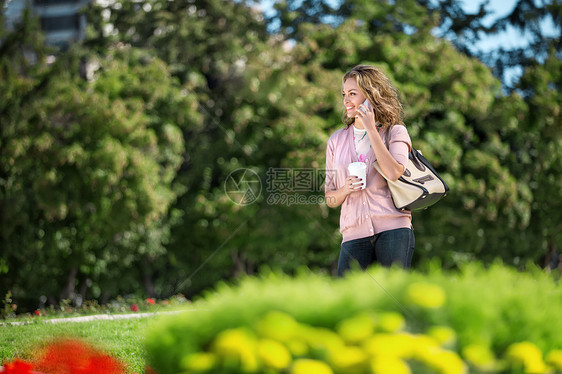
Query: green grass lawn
[(122, 338)]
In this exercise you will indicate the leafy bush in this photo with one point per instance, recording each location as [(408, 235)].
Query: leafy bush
[(380, 321)]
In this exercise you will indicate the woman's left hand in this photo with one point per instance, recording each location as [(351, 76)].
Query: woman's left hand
[(366, 116)]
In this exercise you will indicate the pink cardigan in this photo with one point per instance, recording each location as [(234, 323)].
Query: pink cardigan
[(370, 211)]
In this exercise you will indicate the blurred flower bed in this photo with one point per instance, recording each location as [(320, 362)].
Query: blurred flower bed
[(478, 320), (67, 356), (68, 308)]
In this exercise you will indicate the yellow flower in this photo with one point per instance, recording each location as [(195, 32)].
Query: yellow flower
[(391, 322), (349, 360), (554, 358), (394, 345), (297, 347), (387, 365), (237, 347), (480, 356), (356, 329), (308, 366), (322, 340), (421, 346), (443, 335), (426, 350), (199, 362), (529, 355), (443, 361), (277, 326), (274, 354), (426, 295)]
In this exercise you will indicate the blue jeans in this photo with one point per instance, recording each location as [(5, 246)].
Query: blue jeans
[(386, 248)]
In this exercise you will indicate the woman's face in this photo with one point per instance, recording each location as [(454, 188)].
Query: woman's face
[(352, 97)]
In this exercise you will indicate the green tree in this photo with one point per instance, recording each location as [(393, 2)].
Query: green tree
[(192, 39), (87, 172), (536, 156)]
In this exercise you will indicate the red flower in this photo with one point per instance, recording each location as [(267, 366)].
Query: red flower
[(134, 307), (74, 357), (103, 364), (37, 312), (18, 367), (149, 370), (150, 301)]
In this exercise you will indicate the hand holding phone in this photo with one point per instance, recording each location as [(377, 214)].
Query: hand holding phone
[(366, 105)]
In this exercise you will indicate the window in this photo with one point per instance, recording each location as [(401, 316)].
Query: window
[(60, 23), (54, 2)]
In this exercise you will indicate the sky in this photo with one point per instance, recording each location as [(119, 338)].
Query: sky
[(509, 39)]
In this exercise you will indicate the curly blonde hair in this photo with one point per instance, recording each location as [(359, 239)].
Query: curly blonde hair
[(380, 92)]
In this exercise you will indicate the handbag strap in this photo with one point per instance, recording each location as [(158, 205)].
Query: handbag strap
[(387, 140)]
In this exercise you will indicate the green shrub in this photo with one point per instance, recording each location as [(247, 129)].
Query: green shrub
[(380, 321)]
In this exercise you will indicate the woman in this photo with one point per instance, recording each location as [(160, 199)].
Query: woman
[(373, 229)]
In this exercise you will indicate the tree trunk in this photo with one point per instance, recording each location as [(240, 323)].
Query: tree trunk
[(84, 288), (552, 258), (105, 297), (147, 278), (70, 283), (238, 260)]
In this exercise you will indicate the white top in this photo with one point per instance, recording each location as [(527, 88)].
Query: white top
[(362, 143)]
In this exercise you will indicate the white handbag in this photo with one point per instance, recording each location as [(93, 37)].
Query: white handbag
[(419, 187)]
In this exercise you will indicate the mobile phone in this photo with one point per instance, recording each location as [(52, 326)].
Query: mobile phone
[(366, 105)]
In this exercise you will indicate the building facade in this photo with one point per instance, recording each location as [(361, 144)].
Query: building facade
[(60, 19)]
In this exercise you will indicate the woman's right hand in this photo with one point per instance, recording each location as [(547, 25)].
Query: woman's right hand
[(336, 197), (352, 184)]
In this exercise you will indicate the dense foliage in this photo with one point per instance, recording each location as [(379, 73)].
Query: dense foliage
[(393, 322), (114, 159)]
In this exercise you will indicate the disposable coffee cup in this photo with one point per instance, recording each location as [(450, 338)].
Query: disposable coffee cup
[(359, 169)]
